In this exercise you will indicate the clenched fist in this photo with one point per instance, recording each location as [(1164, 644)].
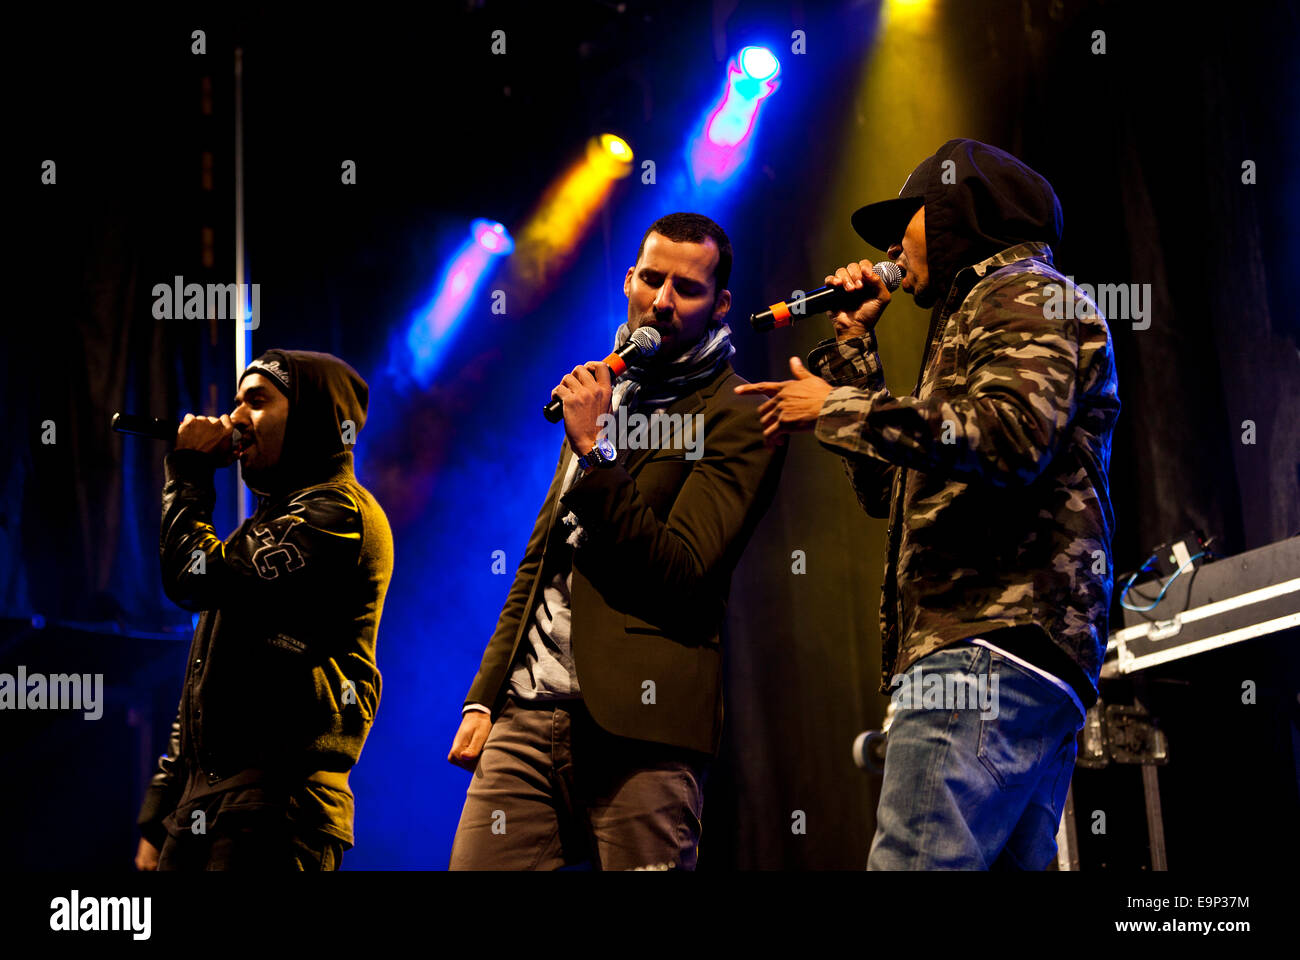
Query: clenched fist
[(859, 278), (210, 435), (586, 393)]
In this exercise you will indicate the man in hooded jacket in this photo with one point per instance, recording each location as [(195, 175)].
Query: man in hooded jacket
[(993, 474), (281, 684)]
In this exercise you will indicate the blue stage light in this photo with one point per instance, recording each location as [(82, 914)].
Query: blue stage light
[(430, 330), (492, 237), (722, 145), (759, 63)]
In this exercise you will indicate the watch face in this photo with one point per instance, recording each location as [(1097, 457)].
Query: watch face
[(606, 448)]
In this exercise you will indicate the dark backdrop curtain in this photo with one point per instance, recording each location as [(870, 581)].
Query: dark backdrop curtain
[(128, 210)]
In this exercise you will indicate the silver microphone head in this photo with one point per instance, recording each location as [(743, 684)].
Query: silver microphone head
[(647, 340), (889, 272)]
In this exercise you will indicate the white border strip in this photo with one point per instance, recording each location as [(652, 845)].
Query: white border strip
[(1129, 663), (1213, 609)]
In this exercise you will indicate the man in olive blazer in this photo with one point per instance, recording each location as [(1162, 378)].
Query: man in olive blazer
[(597, 706)]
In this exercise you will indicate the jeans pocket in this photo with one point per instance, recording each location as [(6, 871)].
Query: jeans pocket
[(1011, 738)]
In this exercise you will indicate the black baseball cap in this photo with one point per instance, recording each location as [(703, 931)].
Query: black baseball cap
[(882, 224)]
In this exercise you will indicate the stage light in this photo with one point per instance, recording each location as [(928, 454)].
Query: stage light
[(546, 243), (717, 152), (616, 147), (563, 215), (913, 14), (919, 116), (759, 63), (492, 237), (609, 157), (430, 330)]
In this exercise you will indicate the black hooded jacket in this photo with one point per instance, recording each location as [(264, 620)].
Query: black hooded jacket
[(978, 201), (282, 683)]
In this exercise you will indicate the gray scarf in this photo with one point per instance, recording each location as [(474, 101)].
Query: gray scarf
[(657, 386)]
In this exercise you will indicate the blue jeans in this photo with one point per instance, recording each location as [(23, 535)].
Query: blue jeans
[(976, 785)]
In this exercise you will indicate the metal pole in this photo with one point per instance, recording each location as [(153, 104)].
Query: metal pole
[(1067, 835), (1155, 818), (243, 336)]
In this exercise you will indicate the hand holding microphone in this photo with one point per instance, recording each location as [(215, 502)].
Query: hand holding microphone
[(856, 294), (643, 343), (585, 393), (211, 435), (841, 296), (865, 292), (216, 435)]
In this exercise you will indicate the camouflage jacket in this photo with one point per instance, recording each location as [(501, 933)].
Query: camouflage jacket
[(994, 472)]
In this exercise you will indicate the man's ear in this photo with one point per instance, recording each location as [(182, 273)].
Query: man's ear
[(721, 306), (627, 281)]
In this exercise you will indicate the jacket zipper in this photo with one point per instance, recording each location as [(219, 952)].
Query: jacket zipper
[(896, 512)]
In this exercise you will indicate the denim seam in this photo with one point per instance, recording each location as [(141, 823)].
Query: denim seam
[(1066, 702), (937, 760), (984, 725)]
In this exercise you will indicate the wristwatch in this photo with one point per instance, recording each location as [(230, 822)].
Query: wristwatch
[(601, 455)]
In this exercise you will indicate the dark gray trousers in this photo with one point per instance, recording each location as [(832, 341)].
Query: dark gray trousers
[(552, 790)]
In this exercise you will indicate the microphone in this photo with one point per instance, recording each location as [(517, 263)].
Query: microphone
[(156, 429), (144, 426), (643, 342), (819, 300)]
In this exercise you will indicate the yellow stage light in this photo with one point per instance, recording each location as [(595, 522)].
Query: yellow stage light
[(564, 214), (915, 14), (610, 155)]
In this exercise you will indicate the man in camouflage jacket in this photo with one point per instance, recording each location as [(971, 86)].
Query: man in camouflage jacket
[(993, 474)]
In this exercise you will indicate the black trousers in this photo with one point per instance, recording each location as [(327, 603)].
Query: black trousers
[(267, 844)]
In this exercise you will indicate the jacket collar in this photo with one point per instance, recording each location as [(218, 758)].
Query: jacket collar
[(337, 466), (971, 274), (688, 404)]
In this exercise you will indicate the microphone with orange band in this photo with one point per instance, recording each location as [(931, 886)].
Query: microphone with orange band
[(820, 300), (643, 343)]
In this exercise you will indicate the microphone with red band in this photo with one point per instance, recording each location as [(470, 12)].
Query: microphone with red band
[(643, 343), (820, 300)]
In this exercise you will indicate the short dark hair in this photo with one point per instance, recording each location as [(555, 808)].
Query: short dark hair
[(694, 228)]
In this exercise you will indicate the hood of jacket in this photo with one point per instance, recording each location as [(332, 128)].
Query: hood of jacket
[(978, 200), (327, 402)]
